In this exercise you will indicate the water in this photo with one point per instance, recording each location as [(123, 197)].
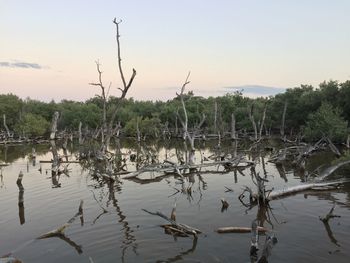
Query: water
[(125, 233)]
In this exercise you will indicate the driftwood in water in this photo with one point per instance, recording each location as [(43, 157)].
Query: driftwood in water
[(300, 188), (182, 227), (60, 230), (329, 215), (235, 229), (327, 172), (325, 221)]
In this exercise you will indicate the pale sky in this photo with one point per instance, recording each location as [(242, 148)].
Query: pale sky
[(48, 48)]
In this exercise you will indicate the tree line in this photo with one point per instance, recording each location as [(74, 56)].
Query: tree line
[(303, 111)]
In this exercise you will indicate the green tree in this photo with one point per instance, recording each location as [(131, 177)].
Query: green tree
[(32, 125), (326, 121)]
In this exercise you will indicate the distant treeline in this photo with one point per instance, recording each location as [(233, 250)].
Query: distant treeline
[(311, 112)]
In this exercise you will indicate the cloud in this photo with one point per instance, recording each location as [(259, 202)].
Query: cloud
[(256, 90), (20, 64)]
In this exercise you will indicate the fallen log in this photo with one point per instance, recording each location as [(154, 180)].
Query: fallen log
[(327, 172), (300, 188), (182, 227), (236, 229)]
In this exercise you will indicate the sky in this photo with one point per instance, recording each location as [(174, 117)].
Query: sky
[(48, 48)]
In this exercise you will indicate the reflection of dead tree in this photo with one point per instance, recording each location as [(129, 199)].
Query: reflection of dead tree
[(325, 221), (59, 232), (129, 238), (20, 198), (181, 254), (104, 211)]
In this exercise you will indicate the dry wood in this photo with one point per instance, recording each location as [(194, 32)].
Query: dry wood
[(330, 170), (8, 134), (60, 230), (185, 228), (300, 188), (283, 119), (54, 125), (329, 215)]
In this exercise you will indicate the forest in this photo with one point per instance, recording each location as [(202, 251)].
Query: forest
[(310, 113)]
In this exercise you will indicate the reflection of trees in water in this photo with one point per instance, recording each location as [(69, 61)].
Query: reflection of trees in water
[(11, 153), (129, 239)]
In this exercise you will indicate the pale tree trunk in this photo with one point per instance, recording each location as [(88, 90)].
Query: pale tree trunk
[(283, 119), (6, 127), (215, 117), (80, 138), (54, 125), (138, 129), (251, 117), (233, 127), (262, 121)]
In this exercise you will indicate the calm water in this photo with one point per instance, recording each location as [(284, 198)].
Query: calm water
[(127, 234)]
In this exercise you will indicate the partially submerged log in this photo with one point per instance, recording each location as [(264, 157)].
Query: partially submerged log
[(181, 227), (300, 188), (236, 229), (60, 230)]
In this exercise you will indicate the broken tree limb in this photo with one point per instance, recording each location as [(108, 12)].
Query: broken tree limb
[(236, 229), (60, 230), (327, 172), (185, 228), (329, 215)]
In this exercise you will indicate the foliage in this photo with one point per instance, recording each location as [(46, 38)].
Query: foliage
[(32, 125), (326, 121)]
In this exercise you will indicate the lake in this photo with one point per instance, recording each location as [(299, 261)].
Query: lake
[(114, 228)]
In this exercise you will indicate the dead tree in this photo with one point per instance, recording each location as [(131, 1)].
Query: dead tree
[(184, 122), (283, 119), (252, 120), (126, 85), (104, 100), (233, 127), (54, 125), (80, 138), (8, 134), (262, 122)]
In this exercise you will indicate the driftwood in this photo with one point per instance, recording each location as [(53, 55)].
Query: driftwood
[(329, 215), (300, 188), (182, 227), (235, 229), (60, 230), (327, 172)]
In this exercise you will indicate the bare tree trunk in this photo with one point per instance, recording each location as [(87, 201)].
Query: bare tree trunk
[(6, 127), (126, 85), (283, 118), (104, 101), (233, 127), (55, 159), (215, 116), (262, 121), (80, 134), (54, 125), (138, 129), (251, 117)]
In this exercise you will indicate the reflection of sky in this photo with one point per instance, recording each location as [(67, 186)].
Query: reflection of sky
[(231, 44)]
